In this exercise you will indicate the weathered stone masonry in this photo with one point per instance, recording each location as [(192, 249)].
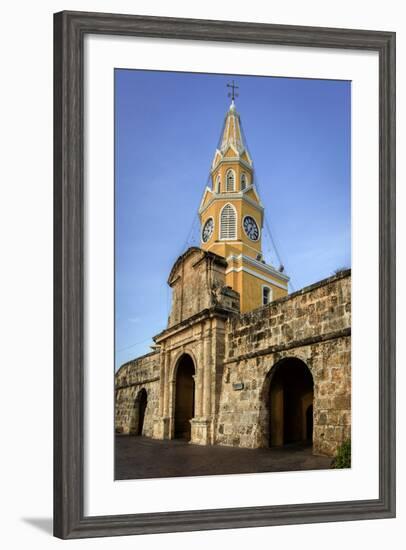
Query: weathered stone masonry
[(236, 356), (312, 325), (131, 378)]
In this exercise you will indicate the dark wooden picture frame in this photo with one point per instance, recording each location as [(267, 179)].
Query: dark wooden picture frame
[(69, 31)]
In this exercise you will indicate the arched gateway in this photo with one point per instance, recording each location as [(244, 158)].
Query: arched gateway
[(140, 406), (184, 397), (290, 403)]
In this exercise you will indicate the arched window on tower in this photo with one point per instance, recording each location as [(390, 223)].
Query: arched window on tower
[(230, 181), (266, 295), (228, 222), (243, 181), (218, 184)]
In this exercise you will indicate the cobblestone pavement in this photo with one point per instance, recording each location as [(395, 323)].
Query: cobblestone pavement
[(140, 458)]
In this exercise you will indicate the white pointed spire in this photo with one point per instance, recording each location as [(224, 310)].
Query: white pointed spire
[(232, 138), (232, 134)]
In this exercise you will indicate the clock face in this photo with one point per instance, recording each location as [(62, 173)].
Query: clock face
[(251, 228), (207, 231)]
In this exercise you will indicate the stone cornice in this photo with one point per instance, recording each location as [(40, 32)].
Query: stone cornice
[(232, 196), (140, 383), (231, 160), (344, 333), (128, 363), (198, 317), (259, 265), (341, 275)]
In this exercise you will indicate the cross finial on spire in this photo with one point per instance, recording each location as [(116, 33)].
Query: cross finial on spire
[(233, 93)]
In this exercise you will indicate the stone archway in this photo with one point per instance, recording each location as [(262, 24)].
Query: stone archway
[(140, 406), (290, 403), (184, 397)]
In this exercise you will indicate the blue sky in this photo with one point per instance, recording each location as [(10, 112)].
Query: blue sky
[(167, 126)]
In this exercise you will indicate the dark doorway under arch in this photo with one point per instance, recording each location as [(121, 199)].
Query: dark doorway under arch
[(184, 397), (309, 423), (140, 406), (290, 403), (142, 399)]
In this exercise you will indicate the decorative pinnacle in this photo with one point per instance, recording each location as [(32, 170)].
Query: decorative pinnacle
[(233, 93)]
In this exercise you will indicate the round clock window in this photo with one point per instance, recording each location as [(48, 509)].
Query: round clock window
[(251, 228), (207, 231)]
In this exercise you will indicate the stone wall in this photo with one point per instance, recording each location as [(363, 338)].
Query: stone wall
[(130, 379), (317, 310), (312, 325)]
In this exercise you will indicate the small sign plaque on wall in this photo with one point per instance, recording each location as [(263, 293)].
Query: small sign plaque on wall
[(238, 386)]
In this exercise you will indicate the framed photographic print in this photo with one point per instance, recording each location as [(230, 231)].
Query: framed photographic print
[(224, 274)]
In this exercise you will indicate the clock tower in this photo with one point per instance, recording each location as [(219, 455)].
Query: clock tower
[(232, 216)]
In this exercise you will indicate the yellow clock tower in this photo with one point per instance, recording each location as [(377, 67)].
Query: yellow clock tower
[(232, 216)]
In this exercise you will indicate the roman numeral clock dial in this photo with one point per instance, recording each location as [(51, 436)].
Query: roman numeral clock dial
[(207, 230), (251, 228)]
